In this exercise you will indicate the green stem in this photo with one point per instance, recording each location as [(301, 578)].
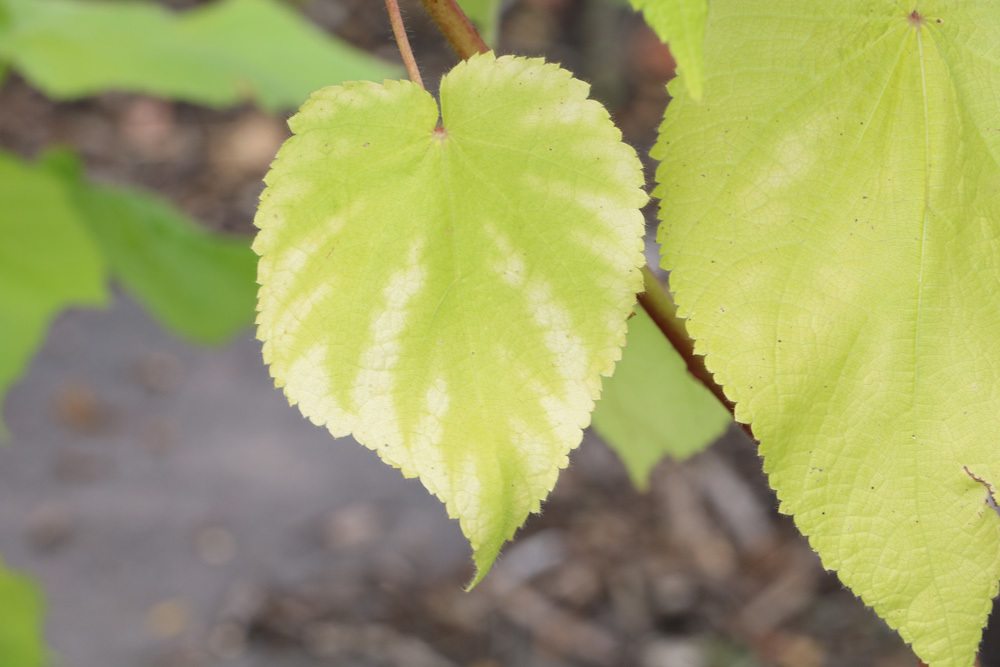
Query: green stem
[(465, 39)]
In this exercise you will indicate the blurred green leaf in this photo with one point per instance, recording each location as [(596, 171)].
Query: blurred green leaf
[(47, 263), (199, 284), (276, 52), (218, 55), (21, 612), (681, 24), (61, 234), (651, 407), (486, 15)]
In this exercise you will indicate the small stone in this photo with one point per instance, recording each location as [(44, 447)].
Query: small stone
[(49, 527), (168, 618), (672, 653), (248, 147), (352, 527), (576, 584), (158, 372), (324, 640), (148, 127), (78, 407), (673, 594), (227, 641)]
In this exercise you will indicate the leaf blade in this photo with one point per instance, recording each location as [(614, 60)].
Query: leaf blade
[(47, 263), (197, 283), (21, 615), (839, 203), (652, 408), (218, 55), (471, 365)]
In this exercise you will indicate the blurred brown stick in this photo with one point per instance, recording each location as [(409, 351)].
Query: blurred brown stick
[(456, 27)]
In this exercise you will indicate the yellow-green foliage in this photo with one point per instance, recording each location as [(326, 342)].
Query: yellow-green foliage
[(831, 219), (452, 297)]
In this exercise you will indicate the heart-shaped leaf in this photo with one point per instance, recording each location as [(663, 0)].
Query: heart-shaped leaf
[(451, 294), (832, 222)]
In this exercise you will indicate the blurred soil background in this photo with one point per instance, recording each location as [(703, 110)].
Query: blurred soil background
[(179, 514)]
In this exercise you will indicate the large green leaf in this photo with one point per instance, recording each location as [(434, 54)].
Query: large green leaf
[(218, 55), (21, 613), (197, 283), (59, 232), (651, 407), (452, 296), (680, 23), (47, 263), (832, 222), (272, 51)]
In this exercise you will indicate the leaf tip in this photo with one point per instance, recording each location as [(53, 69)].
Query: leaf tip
[(483, 558)]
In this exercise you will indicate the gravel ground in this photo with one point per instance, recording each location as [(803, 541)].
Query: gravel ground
[(178, 512), (152, 487)]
